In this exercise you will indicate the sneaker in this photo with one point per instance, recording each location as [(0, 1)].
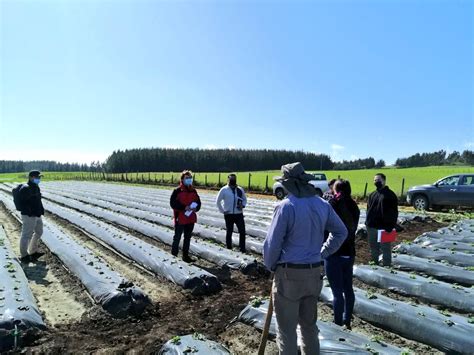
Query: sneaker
[(25, 259), (244, 251), (36, 256), (347, 326), (188, 259)]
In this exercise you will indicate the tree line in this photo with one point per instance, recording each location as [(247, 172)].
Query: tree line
[(215, 160), (437, 158), (225, 160), (16, 166)]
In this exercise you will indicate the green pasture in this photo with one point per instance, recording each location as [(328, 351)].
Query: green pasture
[(258, 180)]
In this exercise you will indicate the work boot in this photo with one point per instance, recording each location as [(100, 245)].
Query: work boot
[(188, 259), (36, 256)]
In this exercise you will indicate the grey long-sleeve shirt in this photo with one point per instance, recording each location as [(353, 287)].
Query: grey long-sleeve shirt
[(296, 233)]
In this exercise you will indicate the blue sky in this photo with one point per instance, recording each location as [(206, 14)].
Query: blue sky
[(387, 79)]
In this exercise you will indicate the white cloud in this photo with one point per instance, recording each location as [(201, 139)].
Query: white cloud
[(171, 146), (337, 147), (469, 145), (210, 146), (231, 147), (60, 155), (336, 151), (353, 157)]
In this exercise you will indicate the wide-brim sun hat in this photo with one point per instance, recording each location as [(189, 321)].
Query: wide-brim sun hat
[(295, 180)]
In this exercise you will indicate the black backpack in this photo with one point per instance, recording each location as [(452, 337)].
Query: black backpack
[(16, 197)]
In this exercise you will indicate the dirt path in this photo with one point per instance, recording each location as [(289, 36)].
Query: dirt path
[(60, 299)]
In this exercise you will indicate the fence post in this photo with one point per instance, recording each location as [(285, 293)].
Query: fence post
[(250, 178), (403, 187), (365, 190), (205, 180), (162, 178), (339, 177), (219, 183), (266, 184), (172, 178)]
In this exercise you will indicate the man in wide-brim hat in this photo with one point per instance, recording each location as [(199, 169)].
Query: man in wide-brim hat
[(294, 250)]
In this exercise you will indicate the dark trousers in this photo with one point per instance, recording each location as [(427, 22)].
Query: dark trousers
[(339, 274), (179, 229), (238, 220)]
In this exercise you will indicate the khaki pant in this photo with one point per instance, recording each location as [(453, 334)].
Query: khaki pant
[(375, 248), (295, 299), (31, 233)]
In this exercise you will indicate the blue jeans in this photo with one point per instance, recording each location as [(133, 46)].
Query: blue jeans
[(339, 274)]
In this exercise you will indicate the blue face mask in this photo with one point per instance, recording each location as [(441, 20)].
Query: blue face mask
[(188, 181), (36, 181)]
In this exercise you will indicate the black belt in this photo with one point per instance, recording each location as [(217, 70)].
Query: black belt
[(301, 266)]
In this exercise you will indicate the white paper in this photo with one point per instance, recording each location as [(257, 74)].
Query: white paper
[(190, 212)]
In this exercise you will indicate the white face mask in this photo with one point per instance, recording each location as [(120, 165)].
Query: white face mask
[(36, 181), (188, 181)]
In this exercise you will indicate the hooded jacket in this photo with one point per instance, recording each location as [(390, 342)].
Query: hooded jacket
[(228, 198)]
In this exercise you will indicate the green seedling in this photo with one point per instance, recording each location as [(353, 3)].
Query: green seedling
[(176, 340), (445, 313), (377, 339), (370, 295)]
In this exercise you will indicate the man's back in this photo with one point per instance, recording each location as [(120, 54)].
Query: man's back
[(297, 231)]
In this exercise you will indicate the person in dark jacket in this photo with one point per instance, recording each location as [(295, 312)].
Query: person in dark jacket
[(339, 265), (31, 212), (185, 202), (382, 214)]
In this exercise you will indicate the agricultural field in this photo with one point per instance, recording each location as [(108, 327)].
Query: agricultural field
[(108, 282), (258, 180)]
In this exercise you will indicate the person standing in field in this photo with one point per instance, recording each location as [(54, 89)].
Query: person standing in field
[(339, 265), (293, 250), (231, 201), (329, 193), (382, 214), (31, 212), (185, 202)]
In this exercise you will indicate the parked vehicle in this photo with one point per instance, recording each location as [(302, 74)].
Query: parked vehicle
[(320, 183), (454, 190)]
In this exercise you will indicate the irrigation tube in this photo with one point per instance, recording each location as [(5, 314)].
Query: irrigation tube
[(207, 251), (193, 343), (441, 271), (159, 262), (152, 215), (18, 309), (453, 257), (438, 243), (442, 293), (448, 333), (115, 294), (332, 338)]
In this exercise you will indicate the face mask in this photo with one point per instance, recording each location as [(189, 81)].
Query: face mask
[(188, 181), (378, 184), (36, 181)]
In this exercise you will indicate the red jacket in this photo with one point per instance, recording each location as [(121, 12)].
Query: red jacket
[(180, 198)]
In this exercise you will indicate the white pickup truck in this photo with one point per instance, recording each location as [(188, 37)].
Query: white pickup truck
[(320, 183)]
